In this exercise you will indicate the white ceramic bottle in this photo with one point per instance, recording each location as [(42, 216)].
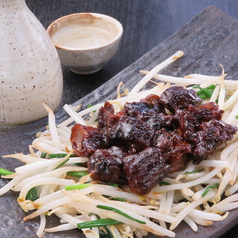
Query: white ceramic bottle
[(30, 70)]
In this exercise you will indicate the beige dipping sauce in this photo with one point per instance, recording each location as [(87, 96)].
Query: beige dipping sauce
[(84, 32), (82, 37)]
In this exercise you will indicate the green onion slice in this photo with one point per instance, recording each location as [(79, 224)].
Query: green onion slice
[(205, 93), (208, 189), (77, 186), (64, 162), (77, 173), (103, 234), (108, 234), (115, 199), (98, 223), (113, 184), (183, 200), (80, 164), (120, 212), (89, 105), (43, 155), (192, 172), (59, 155), (5, 172), (162, 183), (32, 194)]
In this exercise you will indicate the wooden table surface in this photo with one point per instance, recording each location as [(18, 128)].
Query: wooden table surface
[(146, 24)]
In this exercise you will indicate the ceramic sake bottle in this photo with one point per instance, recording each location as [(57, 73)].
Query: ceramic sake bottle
[(30, 70)]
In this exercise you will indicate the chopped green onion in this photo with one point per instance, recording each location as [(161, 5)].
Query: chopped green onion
[(5, 172), (205, 93), (64, 162), (192, 172), (80, 164), (113, 184), (197, 86), (77, 173), (208, 189), (59, 155), (89, 105), (108, 234), (77, 186), (119, 212), (87, 182), (103, 234), (118, 199), (162, 183), (115, 199), (32, 194), (93, 214), (183, 200), (43, 155), (98, 223)]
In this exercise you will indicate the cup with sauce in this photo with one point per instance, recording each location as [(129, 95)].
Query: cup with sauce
[(85, 41)]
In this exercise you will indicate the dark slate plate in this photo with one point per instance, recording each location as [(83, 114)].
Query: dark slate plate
[(208, 40)]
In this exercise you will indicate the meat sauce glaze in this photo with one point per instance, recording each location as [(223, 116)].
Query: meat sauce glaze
[(145, 141)]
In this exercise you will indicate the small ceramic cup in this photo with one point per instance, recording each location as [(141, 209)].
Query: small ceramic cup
[(85, 41)]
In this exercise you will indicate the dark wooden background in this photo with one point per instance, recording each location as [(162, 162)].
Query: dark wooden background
[(146, 24)]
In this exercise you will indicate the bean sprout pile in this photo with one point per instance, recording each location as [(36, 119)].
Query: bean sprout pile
[(53, 181)]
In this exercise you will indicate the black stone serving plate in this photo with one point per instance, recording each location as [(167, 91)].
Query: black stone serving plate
[(208, 40)]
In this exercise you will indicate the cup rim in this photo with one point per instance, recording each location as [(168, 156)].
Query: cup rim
[(117, 37)]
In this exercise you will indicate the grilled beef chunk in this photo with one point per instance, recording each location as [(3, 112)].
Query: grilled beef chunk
[(106, 165), (152, 114), (131, 131), (142, 143), (210, 135), (107, 118), (209, 111), (179, 97), (145, 108), (86, 139), (155, 100), (189, 120), (173, 149), (104, 115), (145, 169), (149, 109)]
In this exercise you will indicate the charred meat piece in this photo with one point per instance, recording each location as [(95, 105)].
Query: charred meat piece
[(179, 97), (158, 121), (131, 131), (209, 111), (107, 118), (106, 165), (104, 112), (210, 135), (189, 120), (173, 149), (86, 139), (143, 109), (147, 110), (186, 121), (145, 169), (153, 99)]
